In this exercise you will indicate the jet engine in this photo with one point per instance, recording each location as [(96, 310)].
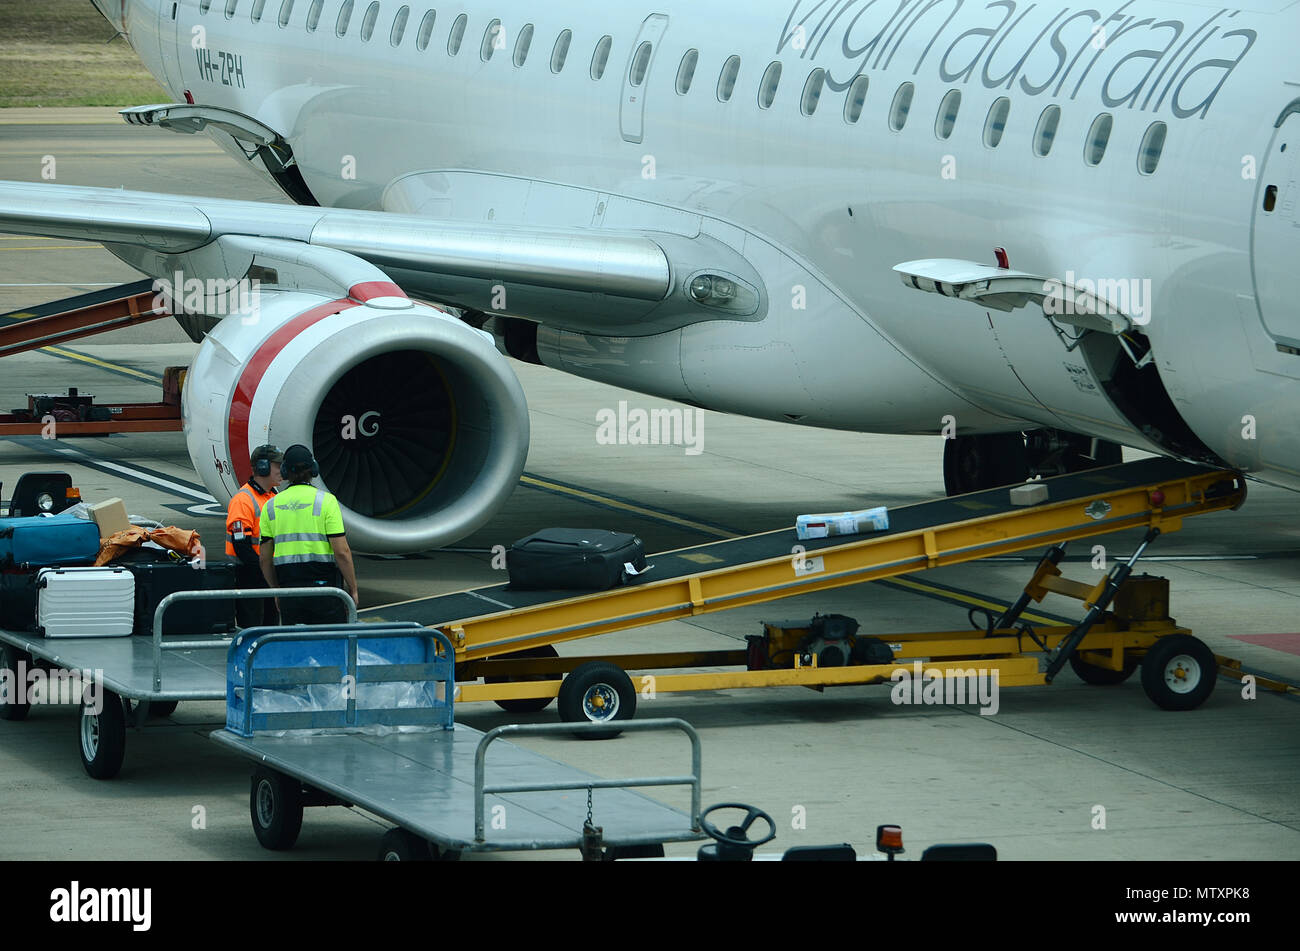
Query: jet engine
[(419, 425)]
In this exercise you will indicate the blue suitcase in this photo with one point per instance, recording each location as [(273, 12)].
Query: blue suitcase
[(55, 541)]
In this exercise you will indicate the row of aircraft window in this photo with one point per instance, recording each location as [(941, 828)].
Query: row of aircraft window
[(995, 122)]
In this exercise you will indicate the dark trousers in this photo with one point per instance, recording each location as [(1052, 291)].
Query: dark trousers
[(254, 612), (322, 609)]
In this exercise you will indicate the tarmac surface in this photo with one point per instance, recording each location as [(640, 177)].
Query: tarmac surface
[(1215, 783)]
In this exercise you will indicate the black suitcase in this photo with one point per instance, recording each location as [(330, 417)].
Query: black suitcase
[(155, 580), (582, 559), (18, 596)]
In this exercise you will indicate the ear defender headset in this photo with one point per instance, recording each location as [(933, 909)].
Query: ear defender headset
[(301, 464), (262, 459)]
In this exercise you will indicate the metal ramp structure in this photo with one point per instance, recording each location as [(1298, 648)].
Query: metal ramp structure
[(72, 318), (511, 643)]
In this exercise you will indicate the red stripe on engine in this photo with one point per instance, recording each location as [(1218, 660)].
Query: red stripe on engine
[(371, 289), (241, 403)]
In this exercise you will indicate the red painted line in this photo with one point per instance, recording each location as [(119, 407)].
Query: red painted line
[(241, 403), (1287, 643), (371, 289)]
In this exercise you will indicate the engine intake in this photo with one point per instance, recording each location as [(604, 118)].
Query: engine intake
[(419, 425)]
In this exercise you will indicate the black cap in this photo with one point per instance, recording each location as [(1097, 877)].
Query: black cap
[(297, 458)]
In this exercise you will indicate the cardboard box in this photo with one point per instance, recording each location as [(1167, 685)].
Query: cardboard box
[(110, 516)]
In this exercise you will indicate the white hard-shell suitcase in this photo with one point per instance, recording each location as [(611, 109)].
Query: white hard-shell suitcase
[(85, 602)]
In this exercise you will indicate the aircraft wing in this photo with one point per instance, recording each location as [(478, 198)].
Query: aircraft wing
[(580, 278)]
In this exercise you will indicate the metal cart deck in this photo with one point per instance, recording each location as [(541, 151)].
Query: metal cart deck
[(432, 784), (125, 680)]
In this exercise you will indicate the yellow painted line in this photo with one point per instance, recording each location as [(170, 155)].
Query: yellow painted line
[(95, 361), (969, 599), (627, 507)]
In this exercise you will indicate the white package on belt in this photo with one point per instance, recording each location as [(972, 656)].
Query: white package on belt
[(842, 523)]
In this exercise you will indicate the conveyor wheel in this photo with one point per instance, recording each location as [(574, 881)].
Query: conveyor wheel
[(398, 845), (11, 708), (101, 733), (526, 704), (275, 805), (1102, 676), (1178, 672), (596, 692)]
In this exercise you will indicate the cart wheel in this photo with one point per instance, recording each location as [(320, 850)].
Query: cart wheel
[(275, 804), (11, 708), (102, 734), (1178, 672), (1102, 676), (526, 704), (596, 692), (398, 845), (162, 708)]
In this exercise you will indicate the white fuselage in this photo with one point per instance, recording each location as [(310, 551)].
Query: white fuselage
[(825, 207)]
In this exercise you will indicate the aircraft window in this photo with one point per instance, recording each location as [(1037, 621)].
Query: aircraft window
[(996, 123), (286, 11), (601, 56), (256, 13), (947, 117), (522, 44), (640, 63), (205, 6), (368, 21), (1153, 143), (399, 26), (686, 71), (812, 91), (1045, 133), (727, 79), (1098, 137), (345, 14), (856, 98), (426, 31), (561, 51), (767, 87), (457, 35), (494, 38), (901, 106), (313, 14), (230, 8), (1270, 198)]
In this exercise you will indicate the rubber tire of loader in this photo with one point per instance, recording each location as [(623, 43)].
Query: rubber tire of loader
[(597, 682), (1160, 672), (275, 806), (10, 658), (1102, 676), (526, 704), (163, 708), (101, 737), (398, 845)]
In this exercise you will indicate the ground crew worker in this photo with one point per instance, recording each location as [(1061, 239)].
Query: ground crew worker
[(243, 532), (303, 544)]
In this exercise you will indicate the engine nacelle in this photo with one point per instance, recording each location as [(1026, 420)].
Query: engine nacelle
[(419, 425)]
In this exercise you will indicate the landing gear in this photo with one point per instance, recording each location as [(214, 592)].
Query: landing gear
[(975, 463)]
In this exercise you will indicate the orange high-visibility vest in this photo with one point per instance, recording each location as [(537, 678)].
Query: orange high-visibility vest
[(243, 516)]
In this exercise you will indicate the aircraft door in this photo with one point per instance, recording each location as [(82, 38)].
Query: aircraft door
[(631, 113), (1275, 237)]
